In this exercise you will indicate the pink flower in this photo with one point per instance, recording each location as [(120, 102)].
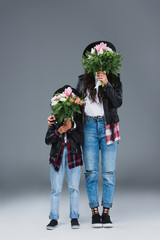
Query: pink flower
[(89, 56), (97, 47), (68, 91), (73, 95), (103, 46)]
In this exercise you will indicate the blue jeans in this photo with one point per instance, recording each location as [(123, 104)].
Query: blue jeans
[(56, 178), (94, 137)]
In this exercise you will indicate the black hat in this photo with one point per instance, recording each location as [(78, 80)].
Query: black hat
[(92, 45)]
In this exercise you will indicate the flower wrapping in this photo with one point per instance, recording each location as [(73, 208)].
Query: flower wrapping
[(64, 105)]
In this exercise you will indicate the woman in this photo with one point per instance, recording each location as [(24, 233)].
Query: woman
[(101, 131)]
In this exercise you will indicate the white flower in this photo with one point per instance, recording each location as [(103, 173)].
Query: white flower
[(63, 95), (92, 50), (53, 98), (62, 99), (53, 103), (101, 51), (109, 49)]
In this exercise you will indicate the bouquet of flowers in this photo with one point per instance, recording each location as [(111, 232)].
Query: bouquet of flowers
[(66, 104), (102, 58)]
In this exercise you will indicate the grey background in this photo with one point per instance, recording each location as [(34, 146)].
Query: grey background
[(41, 43)]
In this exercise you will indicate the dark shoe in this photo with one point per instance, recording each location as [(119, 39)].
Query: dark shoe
[(74, 223), (53, 223), (96, 221), (106, 221)]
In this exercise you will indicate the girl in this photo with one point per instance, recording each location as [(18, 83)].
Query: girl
[(65, 140)]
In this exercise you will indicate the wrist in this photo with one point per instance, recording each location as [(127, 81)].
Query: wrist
[(105, 83), (59, 131), (105, 80)]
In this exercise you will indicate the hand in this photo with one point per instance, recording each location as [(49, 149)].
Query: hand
[(68, 124), (101, 76), (51, 119), (62, 129)]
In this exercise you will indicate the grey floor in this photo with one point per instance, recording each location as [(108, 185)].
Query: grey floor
[(135, 213)]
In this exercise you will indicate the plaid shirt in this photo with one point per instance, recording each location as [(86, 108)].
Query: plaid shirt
[(108, 133), (74, 159)]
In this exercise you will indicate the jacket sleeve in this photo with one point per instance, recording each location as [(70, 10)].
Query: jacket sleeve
[(80, 85), (52, 135), (77, 132), (114, 93)]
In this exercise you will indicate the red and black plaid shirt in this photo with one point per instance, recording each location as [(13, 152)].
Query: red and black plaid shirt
[(74, 159), (108, 133)]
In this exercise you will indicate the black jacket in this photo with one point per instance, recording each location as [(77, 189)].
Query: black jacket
[(111, 103), (75, 134)]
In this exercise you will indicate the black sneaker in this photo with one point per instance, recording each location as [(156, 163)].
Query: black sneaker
[(96, 221), (53, 223), (106, 221), (74, 223)]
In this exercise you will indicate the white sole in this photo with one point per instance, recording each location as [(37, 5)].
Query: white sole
[(51, 228), (107, 225), (96, 225), (75, 227)]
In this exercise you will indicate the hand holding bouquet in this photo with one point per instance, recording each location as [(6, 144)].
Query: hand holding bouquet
[(66, 104), (102, 58), (67, 124)]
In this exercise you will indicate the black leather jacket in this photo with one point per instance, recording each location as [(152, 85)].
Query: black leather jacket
[(111, 103), (75, 136)]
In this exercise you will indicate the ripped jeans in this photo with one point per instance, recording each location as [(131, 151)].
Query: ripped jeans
[(94, 137), (56, 178)]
